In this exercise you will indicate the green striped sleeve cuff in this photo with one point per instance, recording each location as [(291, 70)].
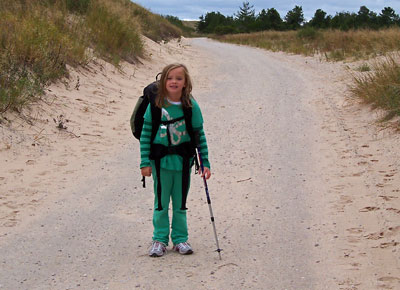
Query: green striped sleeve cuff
[(203, 147), (145, 144)]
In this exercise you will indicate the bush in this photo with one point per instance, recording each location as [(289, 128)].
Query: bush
[(34, 52), (381, 87), (225, 29), (113, 36), (77, 6), (309, 33)]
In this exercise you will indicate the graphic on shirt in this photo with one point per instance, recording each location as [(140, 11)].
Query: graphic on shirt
[(176, 135)]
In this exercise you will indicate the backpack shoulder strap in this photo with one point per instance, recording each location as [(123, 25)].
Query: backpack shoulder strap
[(155, 120), (187, 112)]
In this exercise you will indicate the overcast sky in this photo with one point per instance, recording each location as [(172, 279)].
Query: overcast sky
[(193, 9)]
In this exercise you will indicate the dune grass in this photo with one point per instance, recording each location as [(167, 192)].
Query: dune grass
[(381, 86), (39, 38), (334, 45)]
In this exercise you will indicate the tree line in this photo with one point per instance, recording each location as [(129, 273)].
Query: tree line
[(246, 20)]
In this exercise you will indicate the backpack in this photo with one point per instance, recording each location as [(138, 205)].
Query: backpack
[(149, 96)]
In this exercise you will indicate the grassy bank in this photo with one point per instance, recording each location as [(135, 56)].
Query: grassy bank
[(39, 38), (332, 44)]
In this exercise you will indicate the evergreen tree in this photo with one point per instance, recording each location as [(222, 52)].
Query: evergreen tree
[(388, 17), (344, 21), (213, 20), (262, 21), (366, 18), (245, 17), (362, 19), (320, 20), (294, 18), (274, 19)]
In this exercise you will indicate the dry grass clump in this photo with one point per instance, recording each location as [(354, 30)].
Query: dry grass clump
[(332, 44), (381, 86)]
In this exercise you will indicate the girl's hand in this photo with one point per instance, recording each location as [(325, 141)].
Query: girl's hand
[(206, 173), (146, 171)]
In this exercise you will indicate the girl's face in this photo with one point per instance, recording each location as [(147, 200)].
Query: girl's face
[(175, 83)]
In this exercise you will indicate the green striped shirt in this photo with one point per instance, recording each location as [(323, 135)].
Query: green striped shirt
[(178, 135)]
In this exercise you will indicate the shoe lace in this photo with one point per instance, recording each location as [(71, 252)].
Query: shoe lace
[(157, 246), (184, 245)]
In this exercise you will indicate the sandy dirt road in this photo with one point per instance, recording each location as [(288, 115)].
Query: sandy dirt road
[(279, 194)]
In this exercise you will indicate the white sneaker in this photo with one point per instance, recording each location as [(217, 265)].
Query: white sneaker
[(157, 249), (183, 248)]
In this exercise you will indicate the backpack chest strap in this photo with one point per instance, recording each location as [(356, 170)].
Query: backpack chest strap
[(168, 122), (159, 151)]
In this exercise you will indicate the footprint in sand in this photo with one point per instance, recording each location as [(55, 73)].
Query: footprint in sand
[(30, 162), (60, 163), (389, 279), (10, 223), (389, 175), (353, 240), (389, 232), (369, 208), (43, 173), (374, 236), (35, 184), (387, 197), (395, 210), (16, 170), (388, 282), (339, 187), (355, 230), (388, 245), (358, 174)]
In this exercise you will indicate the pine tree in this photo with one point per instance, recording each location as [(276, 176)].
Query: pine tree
[(246, 17)]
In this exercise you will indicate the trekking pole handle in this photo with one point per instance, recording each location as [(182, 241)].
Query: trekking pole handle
[(144, 181), (204, 177)]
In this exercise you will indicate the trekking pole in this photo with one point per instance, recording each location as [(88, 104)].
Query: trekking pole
[(209, 203)]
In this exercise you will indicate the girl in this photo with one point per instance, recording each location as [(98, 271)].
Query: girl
[(167, 152)]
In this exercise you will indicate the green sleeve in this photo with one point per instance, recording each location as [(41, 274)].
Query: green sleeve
[(203, 147), (197, 123), (145, 139)]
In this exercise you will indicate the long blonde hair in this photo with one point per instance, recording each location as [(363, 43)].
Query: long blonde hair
[(162, 89)]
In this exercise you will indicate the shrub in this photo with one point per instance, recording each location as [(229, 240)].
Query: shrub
[(308, 33), (381, 86), (77, 6)]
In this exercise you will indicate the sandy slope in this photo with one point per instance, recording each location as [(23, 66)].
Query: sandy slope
[(305, 187)]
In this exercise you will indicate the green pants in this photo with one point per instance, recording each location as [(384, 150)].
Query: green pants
[(171, 188)]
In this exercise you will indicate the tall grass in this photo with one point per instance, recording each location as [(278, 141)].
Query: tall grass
[(381, 86), (34, 51), (332, 44), (38, 38)]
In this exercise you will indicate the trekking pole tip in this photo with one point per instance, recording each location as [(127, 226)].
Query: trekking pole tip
[(219, 253)]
